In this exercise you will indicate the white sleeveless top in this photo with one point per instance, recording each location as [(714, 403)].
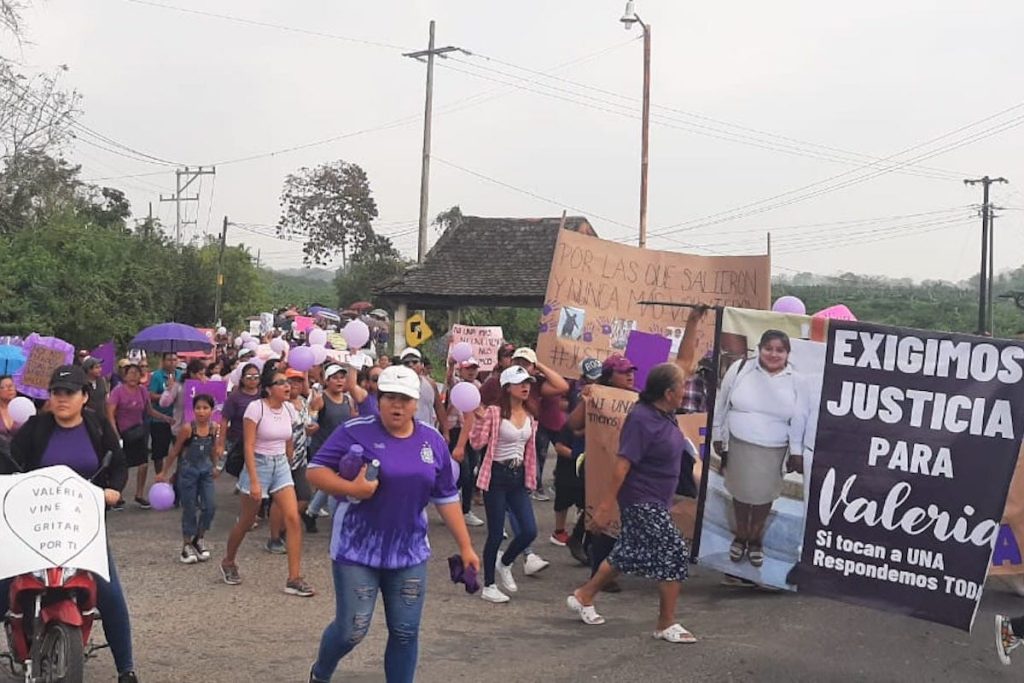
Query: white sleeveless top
[(512, 440)]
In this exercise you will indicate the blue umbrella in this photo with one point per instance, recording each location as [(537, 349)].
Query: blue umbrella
[(11, 358), (170, 338)]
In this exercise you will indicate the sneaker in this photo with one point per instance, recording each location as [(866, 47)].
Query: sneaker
[(1006, 641), (505, 576), (310, 523), (540, 496), (188, 554), (143, 503), (230, 574), (127, 677), (324, 513), (202, 550), (559, 538), (275, 546), (492, 594), (472, 520), (118, 506), (535, 563), (299, 587)]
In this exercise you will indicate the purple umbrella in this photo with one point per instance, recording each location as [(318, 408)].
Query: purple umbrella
[(170, 337)]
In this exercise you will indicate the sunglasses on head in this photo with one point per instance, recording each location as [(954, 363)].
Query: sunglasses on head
[(279, 383)]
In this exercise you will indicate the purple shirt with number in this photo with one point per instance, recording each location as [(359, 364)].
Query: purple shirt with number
[(653, 444), (389, 530), (73, 448)]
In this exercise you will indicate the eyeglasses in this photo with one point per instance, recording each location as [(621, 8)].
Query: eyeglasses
[(279, 383), (250, 376)]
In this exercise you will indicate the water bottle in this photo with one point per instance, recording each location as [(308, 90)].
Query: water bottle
[(351, 462)]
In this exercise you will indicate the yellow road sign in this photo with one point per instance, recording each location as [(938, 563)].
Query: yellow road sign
[(416, 330)]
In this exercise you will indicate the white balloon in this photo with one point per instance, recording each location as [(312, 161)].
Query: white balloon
[(21, 409), (319, 353), (221, 331), (215, 378), (279, 345), (317, 337), (356, 333), (238, 342), (245, 336)]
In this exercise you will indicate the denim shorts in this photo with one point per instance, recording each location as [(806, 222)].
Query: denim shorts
[(273, 471)]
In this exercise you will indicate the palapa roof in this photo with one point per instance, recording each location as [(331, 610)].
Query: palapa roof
[(484, 262)]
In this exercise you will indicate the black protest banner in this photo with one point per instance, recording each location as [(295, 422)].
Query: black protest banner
[(916, 443)]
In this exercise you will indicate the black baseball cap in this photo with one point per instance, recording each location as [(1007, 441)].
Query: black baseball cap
[(69, 378)]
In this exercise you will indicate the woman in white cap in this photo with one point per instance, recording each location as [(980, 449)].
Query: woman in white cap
[(429, 406), (379, 541), (507, 475)]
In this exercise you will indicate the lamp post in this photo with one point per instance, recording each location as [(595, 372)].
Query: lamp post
[(630, 17)]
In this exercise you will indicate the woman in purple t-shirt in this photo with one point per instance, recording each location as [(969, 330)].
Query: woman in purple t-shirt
[(379, 541), (643, 483)]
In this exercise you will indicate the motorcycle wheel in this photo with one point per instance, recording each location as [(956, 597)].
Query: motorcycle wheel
[(60, 657)]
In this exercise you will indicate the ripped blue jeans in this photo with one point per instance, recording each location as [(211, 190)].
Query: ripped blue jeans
[(355, 589)]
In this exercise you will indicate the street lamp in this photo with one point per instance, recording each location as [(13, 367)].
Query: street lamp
[(630, 17)]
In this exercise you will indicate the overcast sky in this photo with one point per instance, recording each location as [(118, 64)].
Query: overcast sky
[(752, 100)]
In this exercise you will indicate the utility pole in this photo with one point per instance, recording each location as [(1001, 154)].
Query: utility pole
[(630, 17), (220, 272), (189, 174), (984, 286), (428, 57)]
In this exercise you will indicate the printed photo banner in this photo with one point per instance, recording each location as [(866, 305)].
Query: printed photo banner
[(754, 494), (917, 441), (485, 340), (595, 286), (51, 517), (218, 389)]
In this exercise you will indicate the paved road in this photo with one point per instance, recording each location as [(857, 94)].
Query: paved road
[(188, 626)]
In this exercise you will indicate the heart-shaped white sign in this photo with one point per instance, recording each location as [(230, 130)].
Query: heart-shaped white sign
[(58, 519)]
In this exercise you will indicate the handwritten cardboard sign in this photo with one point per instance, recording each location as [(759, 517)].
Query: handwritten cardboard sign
[(51, 517), (595, 286), (217, 389), (43, 355), (485, 340)]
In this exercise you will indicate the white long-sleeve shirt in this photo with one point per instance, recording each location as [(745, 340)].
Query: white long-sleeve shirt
[(761, 408)]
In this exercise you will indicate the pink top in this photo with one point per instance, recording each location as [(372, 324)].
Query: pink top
[(273, 427), (130, 405), (485, 433)]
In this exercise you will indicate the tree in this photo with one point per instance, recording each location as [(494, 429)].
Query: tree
[(452, 218), (331, 205)]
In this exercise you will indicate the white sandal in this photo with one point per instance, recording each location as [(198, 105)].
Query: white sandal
[(587, 613), (675, 634)]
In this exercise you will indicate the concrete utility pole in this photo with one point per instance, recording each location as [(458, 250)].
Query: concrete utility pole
[(428, 57), (985, 273), (630, 17), (220, 271), (190, 174)]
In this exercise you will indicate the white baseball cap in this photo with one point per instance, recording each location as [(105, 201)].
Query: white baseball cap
[(411, 353), (398, 379), (515, 374), (526, 353)]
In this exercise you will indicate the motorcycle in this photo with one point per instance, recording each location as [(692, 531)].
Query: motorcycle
[(49, 623)]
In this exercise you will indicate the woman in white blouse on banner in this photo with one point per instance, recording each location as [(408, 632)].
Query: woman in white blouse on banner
[(759, 427)]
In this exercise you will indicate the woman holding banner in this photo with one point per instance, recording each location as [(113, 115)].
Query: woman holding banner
[(643, 483), (759, 421)]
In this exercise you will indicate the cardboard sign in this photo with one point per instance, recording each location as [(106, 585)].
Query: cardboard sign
[(217, 389), (485, 342), (917, 440), (595, 286), (43, 355), (51, 517)]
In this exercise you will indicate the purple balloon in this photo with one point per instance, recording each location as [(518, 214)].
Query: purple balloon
[(789, 304), (461, 352), (465, 397), (161, 496), (302, 358)]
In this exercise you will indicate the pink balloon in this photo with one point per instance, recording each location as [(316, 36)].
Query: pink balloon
[(462, 351), (161, 496), (279, 345), (301, 358), (789, 304), (356, 334), (317, 337), (465, 397), (21, 409), (319, 354)]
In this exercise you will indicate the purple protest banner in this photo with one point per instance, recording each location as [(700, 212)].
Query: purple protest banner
[(645, 351), (106, 352), (217, 389)]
